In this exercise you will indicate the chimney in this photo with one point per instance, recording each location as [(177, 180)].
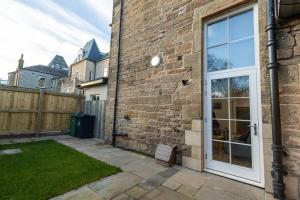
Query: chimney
[(21, 62)]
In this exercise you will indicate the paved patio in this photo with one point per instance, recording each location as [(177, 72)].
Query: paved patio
[(143, 179)]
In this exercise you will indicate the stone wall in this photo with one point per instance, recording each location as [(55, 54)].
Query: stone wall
[(288, 37)]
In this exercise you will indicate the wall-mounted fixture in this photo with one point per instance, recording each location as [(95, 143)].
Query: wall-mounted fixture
[(186, 82), (155, 61)]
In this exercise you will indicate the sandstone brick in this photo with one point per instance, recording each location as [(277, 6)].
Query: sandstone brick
[(269, 196), (192, 163), (289, 74), (284, 53), (193, 138), (292, 185), (196, 152), (267, 146), (197, 125)]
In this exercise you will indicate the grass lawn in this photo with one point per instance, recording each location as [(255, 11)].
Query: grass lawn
[(46, 169)]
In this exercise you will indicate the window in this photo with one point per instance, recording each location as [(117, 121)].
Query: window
[(105, 72), (95, 97), (41, 82), (77, 75), (230, 42)]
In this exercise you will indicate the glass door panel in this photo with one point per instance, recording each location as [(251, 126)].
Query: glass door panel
[(232, 145), (231, 133)]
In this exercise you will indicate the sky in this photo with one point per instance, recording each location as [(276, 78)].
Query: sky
[(41, 29)]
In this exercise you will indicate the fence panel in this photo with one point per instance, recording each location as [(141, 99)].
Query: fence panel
[(28, 111)]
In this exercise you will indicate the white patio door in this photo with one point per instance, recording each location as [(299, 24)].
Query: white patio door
[(232, 113)]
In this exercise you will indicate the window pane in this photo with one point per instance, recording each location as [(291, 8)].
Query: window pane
[(241, 155), (239, 86), (240, 132), (221, 151), (220, 129), (217, 58), (220, 108), (242, 53), (241, 26), (219, 88), (217, 33), (240, 109)]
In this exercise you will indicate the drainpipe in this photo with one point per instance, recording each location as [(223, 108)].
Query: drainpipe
[(277, 148), (114, 131)]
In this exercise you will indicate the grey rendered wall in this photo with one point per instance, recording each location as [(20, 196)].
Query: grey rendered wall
[(29, 79)]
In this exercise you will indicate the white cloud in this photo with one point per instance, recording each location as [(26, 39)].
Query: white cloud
[(103, 9), (41, 36)]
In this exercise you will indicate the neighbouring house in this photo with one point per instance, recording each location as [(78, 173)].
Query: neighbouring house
[(88, 74), (40, 76), (3, 82), (202, 75)]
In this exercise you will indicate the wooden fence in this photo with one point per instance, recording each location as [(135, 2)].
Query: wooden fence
[(35, 112)]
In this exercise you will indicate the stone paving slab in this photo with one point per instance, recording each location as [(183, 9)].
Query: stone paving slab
[(21, 140), (83, 193), (115, 185), (5, 141), (123, 196), (152, 182), (173, 185), (189, 178), (168, 194), (10, 151), (187, 190), (235, 187), (136, 192), (152, 194), (209, 193)]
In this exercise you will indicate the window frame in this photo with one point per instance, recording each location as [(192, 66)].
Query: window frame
[(256, 64)]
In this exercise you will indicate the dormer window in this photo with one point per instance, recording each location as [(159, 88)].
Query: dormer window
[(80, 55)]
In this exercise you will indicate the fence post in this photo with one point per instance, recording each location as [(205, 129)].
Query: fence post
[(39, 112)]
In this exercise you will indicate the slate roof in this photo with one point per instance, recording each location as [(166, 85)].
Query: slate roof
[(58, 62), (106, 55), (92, 51), (47, 70)]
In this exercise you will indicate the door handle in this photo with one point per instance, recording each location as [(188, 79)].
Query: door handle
[(254, 127)]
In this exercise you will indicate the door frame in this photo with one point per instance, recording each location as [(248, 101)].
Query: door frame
[(254, 7)]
